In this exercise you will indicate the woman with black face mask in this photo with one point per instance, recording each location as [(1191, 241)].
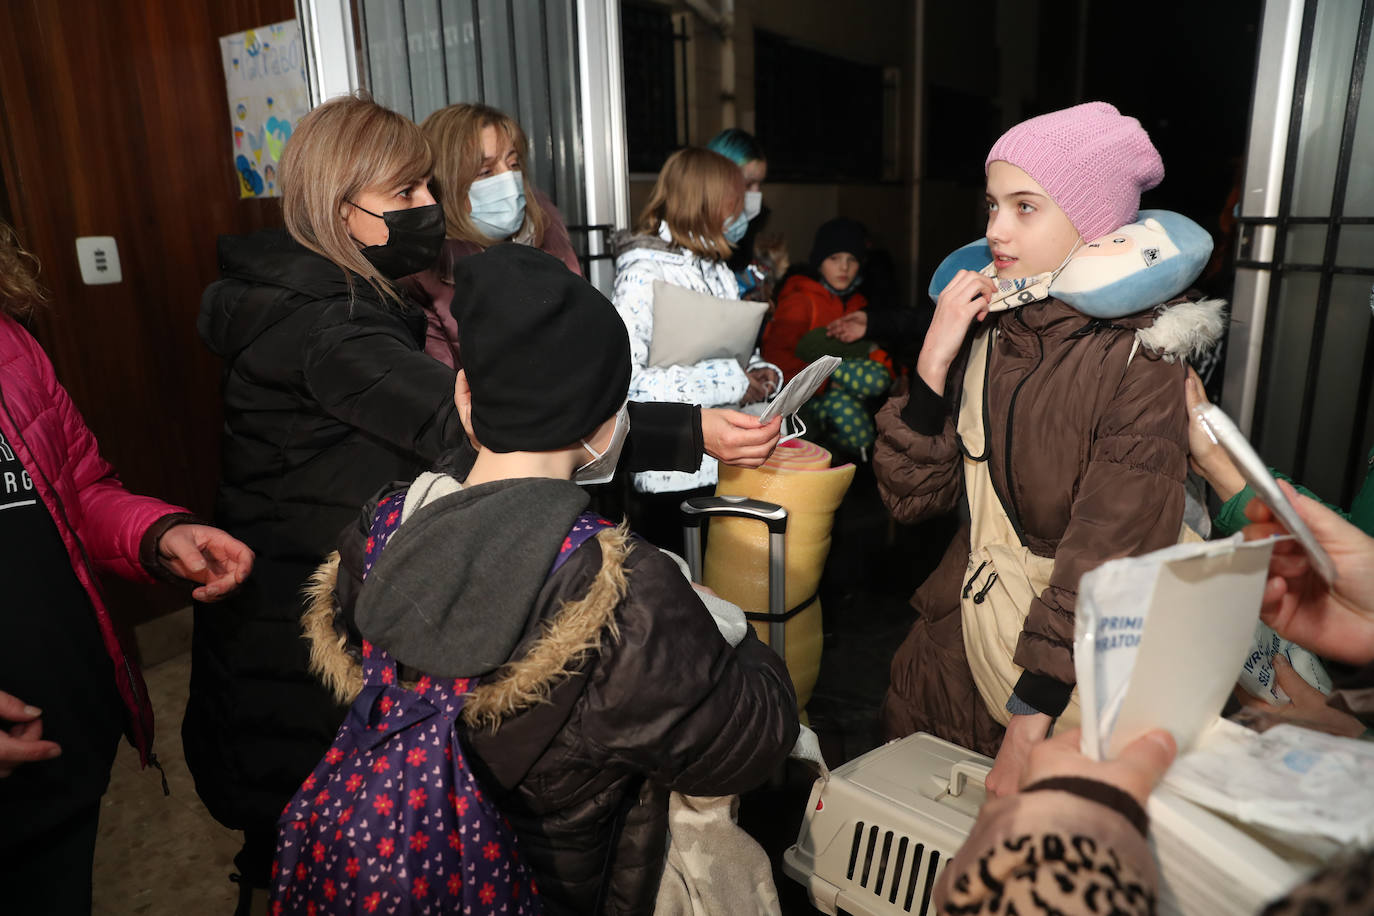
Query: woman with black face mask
[(328, 395)]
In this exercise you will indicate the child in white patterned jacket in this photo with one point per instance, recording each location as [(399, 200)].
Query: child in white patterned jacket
[(684, 236)]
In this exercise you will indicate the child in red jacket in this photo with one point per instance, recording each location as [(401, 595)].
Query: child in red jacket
[(813, 296), (818, 292)]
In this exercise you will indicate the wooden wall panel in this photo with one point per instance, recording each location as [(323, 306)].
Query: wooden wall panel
[(114, 121)]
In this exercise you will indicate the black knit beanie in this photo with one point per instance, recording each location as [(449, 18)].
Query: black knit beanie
[(546, 355), (838, 235)]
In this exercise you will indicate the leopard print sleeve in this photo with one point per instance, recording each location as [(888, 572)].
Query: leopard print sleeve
[(1344, 888), (1050, 852)]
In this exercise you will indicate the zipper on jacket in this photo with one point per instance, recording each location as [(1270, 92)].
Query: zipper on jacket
[(153, 761), (1093, 326), (968, 586), (1014, 513)]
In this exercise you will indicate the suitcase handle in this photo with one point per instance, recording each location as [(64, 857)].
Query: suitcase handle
[(963, 771), (699, 508)]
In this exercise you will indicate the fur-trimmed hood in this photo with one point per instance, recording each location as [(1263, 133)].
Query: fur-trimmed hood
[(626, 240), (551, 645)]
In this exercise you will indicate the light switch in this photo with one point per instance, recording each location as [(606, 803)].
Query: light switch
[(98, 256)]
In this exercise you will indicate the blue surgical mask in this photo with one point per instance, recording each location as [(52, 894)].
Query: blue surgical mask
[(498, 204), (735, 229)]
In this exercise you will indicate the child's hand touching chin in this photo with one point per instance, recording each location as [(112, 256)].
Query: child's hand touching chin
[(965, 299)]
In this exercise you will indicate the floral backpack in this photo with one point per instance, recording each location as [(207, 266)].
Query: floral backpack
[(393, 820)]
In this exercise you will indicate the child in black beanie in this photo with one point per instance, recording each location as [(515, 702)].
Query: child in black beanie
[(604, 682)]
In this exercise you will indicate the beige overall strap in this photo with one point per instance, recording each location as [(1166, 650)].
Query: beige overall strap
[(989, 521), (969, 423), (1003, 577)]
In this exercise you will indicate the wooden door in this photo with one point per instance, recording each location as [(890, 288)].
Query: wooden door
[(114, 121)]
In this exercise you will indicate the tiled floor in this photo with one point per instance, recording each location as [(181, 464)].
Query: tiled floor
[(166, 855)]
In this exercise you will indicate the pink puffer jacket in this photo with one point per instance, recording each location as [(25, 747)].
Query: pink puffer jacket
[(102, 524)]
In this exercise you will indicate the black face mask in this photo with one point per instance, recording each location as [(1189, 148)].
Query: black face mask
[(414, 239)]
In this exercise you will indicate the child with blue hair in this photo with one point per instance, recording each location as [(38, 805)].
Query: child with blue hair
[(755, 276)]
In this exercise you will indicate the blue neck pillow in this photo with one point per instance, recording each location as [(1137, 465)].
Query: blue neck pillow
[(1138, 266)]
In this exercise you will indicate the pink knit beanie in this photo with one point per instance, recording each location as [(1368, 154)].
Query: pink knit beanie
[(1091, 159)]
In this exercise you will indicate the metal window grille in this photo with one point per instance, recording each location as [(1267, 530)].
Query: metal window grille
[(1321, 269), (520, 56), (654, 44)]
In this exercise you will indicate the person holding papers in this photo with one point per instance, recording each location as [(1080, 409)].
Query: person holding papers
[(329, 395), (1074, 840)]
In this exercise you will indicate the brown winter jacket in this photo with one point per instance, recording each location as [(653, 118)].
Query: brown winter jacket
[(1087, 450)]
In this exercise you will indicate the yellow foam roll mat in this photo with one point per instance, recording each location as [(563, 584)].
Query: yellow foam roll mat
[(798, 477)]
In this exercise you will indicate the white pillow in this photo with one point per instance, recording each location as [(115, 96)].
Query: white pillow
[(690, 327)]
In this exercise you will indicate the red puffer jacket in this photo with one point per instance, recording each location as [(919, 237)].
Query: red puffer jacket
[(805, 303), (102, 524)]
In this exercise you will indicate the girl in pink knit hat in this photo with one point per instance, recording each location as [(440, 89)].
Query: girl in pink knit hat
[(1065, 436)]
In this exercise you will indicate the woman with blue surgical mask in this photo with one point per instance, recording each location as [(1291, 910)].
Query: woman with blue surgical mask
[(482, 179)]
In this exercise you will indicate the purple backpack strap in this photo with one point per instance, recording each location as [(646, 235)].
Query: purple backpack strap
[(385, 520), (379, 668), (393, 819), (584, 528)]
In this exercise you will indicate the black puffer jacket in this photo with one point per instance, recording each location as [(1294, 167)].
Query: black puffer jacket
[(620, 690), (327, 396)]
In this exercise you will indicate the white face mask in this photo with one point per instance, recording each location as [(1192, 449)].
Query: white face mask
[(1024, 290), (498, 204), (602, 466), (753, 204)]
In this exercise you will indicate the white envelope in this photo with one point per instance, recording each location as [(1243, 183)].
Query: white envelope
[(1187, 614)]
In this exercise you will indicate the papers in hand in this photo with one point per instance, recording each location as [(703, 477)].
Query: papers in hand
[(798, 391), (1159, 639)]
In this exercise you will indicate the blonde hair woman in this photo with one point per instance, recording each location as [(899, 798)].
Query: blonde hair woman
[(481, 176), (328, 395), (694, 216)]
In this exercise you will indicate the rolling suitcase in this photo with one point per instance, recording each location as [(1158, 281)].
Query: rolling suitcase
[(697, 510)]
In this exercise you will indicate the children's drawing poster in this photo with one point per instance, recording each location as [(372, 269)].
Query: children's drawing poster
[(264, 70)]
